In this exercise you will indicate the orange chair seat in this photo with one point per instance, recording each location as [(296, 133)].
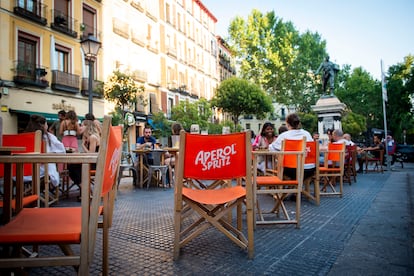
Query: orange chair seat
[(214, 197), (43, 226), (27, 200), (273, 180)]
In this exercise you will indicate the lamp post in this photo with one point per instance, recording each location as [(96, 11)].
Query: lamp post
[(90, 47)]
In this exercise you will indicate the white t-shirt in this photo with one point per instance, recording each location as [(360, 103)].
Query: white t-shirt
[(295, 134)]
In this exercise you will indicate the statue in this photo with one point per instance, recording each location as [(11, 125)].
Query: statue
[(329, 70)]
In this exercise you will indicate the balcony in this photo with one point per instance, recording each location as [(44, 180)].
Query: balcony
[(171, 51), (30, 74), (138, 38), (87, 30), (97, 88), (121, 28), (63, 23), (34, 11), (65, 82), (140, 75)]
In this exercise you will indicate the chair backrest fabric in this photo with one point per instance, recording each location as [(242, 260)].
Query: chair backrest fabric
[(334, 151), (290, 160), (113, 157), (32, 141), (312, 157), (215, 156)]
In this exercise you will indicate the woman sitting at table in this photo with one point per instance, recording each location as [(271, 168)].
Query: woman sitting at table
[(262, 142), (52, 143), (295, 132), (91, 141)]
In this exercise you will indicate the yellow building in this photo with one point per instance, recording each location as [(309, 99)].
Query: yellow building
[(168, 46), (42, 67)]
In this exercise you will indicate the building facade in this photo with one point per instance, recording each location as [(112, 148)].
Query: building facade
[(42, 66), (167, 46)]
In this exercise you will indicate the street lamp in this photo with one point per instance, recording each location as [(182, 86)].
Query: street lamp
[(90, 47)]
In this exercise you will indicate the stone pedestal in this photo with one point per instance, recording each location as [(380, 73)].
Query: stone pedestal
[(330, 111)]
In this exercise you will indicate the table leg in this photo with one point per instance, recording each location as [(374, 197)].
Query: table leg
[(8, 183)]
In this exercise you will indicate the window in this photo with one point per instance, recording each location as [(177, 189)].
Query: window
[(27, 49), (167, 13), (89, 19), (170, 105), (153, 104), (62, 54)]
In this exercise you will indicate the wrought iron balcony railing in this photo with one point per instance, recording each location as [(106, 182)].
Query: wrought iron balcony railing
[(30, 74), (32, 10), (64, 23), (65, 82)]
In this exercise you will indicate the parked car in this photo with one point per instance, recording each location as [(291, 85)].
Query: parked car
[(406, 151)]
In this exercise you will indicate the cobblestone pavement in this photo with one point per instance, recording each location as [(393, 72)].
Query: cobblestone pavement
[(367, 232)]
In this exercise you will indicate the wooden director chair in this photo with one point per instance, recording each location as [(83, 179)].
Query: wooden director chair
[(71, 225), (312, 157), (374, 161), (333, 169), (32, 142), (209, 182), (350, 163), (291, 156)]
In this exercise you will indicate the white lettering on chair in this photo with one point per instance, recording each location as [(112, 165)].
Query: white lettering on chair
[(114, 161), (216, 158)]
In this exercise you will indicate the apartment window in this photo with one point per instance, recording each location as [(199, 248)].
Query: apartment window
[(27, 49), (89, 21), (167, 13), (169, 107), (63, 57), (153, 104)]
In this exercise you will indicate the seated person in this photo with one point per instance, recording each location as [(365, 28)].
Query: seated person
[(262, 142), (147, 141), (372, 150), (38, 122), (295, 131)]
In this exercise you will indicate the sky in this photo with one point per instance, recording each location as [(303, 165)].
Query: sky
[(360, 33)]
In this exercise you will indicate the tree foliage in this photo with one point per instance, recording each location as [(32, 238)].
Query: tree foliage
[(188, 113), (400, 89), (239, 97), (122, 90), (274, 55)]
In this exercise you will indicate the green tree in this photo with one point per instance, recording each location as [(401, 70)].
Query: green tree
[(274, 55), (123, 91), (400, 90), (354, 124), (192, 113), (362, 95), (239, 97)]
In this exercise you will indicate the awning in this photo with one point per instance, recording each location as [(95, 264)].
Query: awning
[(48, 116)]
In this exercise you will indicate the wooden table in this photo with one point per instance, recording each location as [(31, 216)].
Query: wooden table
[(142, 167), (141, 153), (36, 159)]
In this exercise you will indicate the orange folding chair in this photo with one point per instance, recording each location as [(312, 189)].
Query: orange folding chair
[(292, 156), (333, 169), (32, 142), (312, 156), (67, 226), (210, 175)]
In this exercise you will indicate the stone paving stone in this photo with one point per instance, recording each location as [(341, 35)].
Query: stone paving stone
[(332, 239)]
